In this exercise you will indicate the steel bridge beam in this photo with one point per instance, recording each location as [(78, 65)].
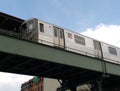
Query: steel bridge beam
[(34, 50), (14, 46)]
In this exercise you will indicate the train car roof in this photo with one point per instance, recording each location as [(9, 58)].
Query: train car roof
[(10, 22)]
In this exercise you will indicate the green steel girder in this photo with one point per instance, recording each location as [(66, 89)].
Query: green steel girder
[(38, 51), (113, 68)]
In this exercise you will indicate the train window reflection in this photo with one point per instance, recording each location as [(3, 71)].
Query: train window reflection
[(112, 50), (79, 40), (41, 27)]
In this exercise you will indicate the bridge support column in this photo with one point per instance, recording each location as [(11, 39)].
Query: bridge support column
[(96, 85), (99, 85)]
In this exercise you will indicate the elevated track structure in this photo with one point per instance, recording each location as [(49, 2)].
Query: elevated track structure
[(22, 56)]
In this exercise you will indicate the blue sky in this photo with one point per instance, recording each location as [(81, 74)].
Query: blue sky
[(99, 19), (76, 15)]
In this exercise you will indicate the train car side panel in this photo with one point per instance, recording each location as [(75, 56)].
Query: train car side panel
[(78, 43), (45, 33), (110, 53)]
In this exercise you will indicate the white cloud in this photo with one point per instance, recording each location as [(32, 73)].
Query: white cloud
[(106, 33), (12, 82)]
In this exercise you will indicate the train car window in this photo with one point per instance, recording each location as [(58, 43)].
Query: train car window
[(70, 35), (41, 27), (79, 40), (61, 34), (30, 26), (55, 32), (112, 50), (97, 45)]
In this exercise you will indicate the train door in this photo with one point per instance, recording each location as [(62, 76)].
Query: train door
[(97, 49), (59, 37)]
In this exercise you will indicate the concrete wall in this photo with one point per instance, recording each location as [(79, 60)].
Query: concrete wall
[(50, 84)]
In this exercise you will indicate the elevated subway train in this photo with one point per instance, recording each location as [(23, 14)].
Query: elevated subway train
[(52, 35)]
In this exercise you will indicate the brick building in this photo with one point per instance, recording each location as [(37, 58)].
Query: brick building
[(46, 84), (40, 84), (35, 84)]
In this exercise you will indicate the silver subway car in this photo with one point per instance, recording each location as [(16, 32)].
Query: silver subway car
[(52, 35)]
